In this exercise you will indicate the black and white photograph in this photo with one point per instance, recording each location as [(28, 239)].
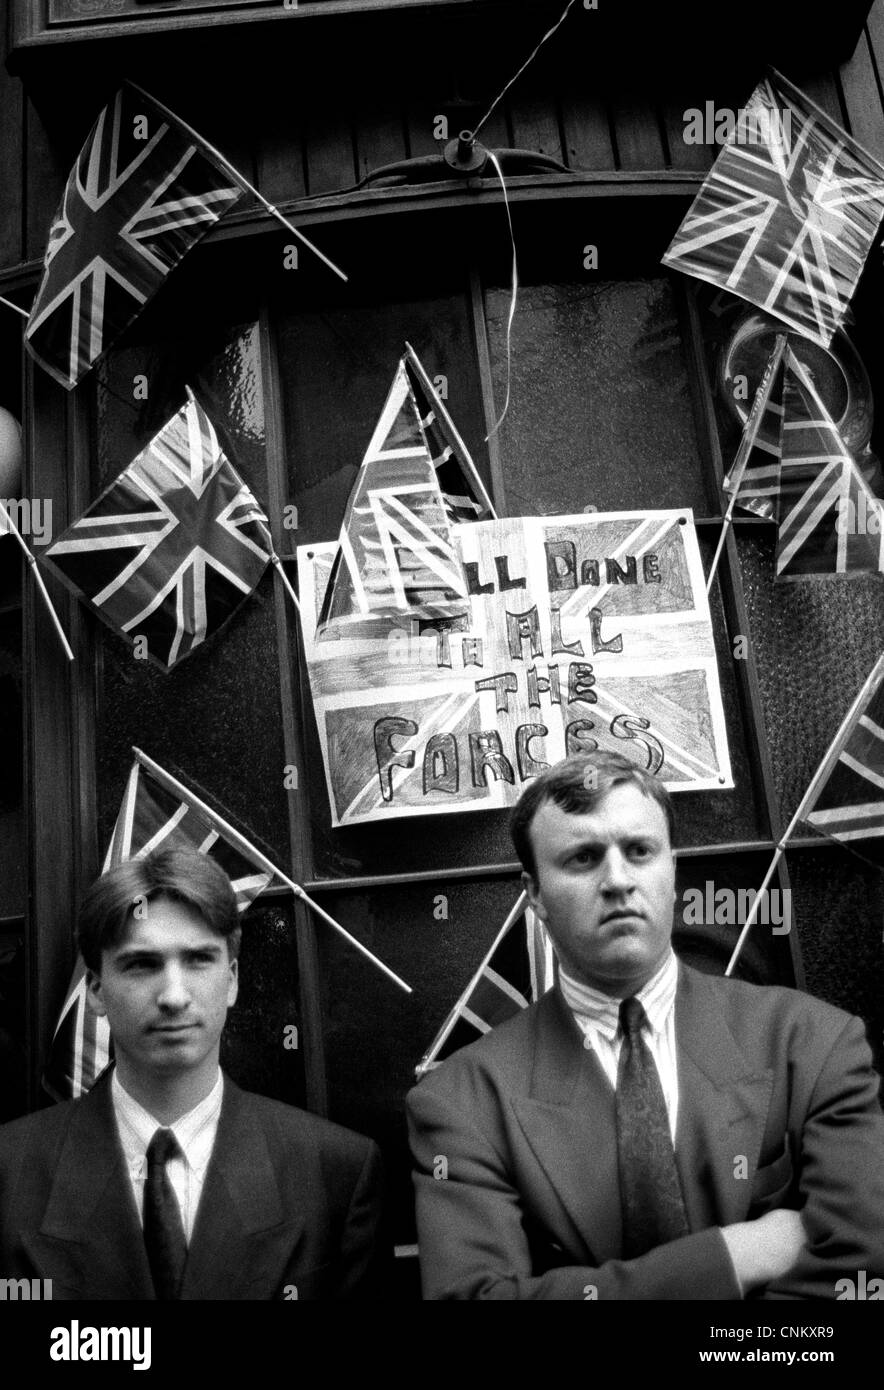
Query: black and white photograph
[(442, 661)]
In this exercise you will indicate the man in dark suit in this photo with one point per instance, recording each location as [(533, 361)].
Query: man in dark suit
[(643, 1131), (166, 1180)]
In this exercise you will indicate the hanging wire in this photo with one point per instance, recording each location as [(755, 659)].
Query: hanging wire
[(528, 61), (514, 293)]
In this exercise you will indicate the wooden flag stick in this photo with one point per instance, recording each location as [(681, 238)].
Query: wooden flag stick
[(426, 1062), (25, 313), (240, 178), (747, 444), (821, 775), (247, 848), (4, 515), (280, 570)]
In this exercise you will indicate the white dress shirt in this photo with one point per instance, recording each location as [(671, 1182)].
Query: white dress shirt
[(195, 1133), (598, 1018)]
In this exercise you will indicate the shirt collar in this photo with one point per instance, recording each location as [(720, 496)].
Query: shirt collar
[(591, 1006), (195, 1131)]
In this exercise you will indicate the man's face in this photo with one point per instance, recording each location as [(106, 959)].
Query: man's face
[(165, 989), (605, 888)]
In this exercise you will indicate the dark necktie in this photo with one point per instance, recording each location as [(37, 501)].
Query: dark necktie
[(650, 1191), (163, 1231)]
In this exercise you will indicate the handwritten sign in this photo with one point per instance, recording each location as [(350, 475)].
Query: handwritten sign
[(578, 632)]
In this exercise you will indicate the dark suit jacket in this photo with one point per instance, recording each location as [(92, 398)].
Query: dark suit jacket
[(516, 1154), (289, 1208)]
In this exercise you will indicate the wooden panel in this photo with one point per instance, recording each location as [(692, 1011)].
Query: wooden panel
[(681, 154), (50, 736), (587, 132), (535, 123), (863, 99), (379, 137), (420, 120), (637, 132), (45, 173), (330, 160), (11, 118), (280, 156)]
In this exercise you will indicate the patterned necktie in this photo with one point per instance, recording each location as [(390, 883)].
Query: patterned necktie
[(163, 1231), (650, 1191)]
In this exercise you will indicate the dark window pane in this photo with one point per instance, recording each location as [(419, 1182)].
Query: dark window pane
[(262, 1046), (839, 905), (713, 899), (375, 1035), (815, 641), (600, 411)]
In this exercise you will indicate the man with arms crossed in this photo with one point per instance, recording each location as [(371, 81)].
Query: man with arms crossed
[(643, 1131), (167, 1181)]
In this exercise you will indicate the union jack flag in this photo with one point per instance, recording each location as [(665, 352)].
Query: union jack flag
[(463, 492), (518, 968), (156, 812), (830, 521), (849, 806), (173, 546), (396, 556), (755, 473), (140, 195), (787, 214)]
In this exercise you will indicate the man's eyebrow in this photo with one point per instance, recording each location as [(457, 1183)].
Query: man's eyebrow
[(155, 953), (585, 842)]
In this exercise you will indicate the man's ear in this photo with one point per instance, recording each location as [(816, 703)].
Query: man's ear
[(94, 997), (533, 892), (232, 983)]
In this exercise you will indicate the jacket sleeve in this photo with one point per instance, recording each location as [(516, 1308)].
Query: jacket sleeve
[(840, 1160), (364, 1257), (474, 1243)]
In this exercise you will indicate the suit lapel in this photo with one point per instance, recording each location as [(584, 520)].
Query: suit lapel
[(723, 1104), (568, 1120), (568, 1117), (243, 1236), (90, 1242)]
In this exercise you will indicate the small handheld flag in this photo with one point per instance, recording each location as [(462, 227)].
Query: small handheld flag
[(787, 214), (142, 193), (396, 555), (517, 969), (169, 550)]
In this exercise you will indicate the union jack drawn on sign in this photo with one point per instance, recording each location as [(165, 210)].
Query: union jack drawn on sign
[(173, 546), (577, 632), (786, 223), (141, 194)]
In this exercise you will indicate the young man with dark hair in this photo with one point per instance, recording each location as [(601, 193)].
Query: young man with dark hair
[(167, 1181), (643, 1131)]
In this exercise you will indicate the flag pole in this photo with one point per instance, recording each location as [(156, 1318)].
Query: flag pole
[(4, 515), (747, 444), (426, 1062), (822, 773), (240, 178), (246, 847), (275, 560), (25, 313)]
